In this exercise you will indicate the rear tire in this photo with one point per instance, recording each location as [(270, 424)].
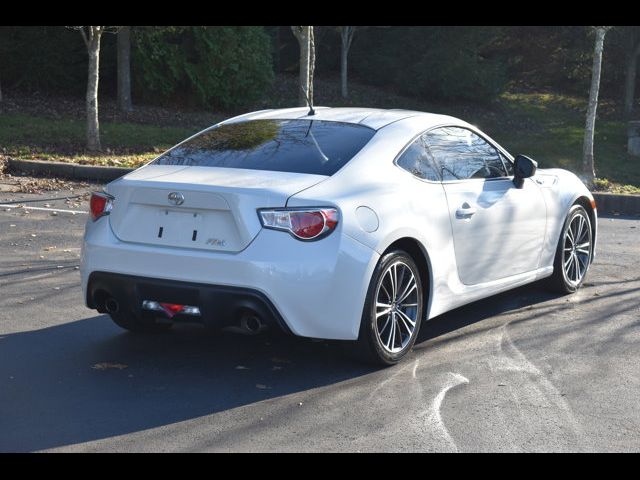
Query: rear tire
[(392, 311), (136, 324), (573, 253)]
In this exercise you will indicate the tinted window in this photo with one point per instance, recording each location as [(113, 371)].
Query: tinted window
[(298, 146), (462, 154), (417, 160), (507, 164)]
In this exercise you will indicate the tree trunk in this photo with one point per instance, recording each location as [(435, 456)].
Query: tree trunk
[(93, 127), (588, 166), (124, 69), (344, 52), (630, 80), (312, 64), (302, 34)]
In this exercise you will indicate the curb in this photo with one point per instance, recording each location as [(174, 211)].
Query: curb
[(616, 204), (67, 170), (607, 203)]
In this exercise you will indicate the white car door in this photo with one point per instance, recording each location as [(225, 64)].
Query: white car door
[(498, 229)]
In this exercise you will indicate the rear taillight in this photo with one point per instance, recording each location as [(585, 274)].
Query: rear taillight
[(99, 205), (302, 223)]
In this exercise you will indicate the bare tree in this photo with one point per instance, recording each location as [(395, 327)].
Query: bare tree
[(92, 36), (304, 35), (346, 38), (588, 166), (633, 52), (124, 69)]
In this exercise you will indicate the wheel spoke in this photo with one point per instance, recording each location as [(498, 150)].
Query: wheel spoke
[(570, 235), (407, 291), (567, 263), (406, 326), (406, 317), (392, 333), (582, 262), (399, 280), (392, 276), (385, 325), (584, 248), (576, 268), (382, 287), (578, 233)]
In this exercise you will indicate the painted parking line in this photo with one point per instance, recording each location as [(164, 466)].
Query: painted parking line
[(45, 209)]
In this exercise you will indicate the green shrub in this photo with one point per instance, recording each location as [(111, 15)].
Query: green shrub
[(431, 62), (226, 67)]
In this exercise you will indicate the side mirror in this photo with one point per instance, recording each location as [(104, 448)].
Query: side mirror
[(523, 167)]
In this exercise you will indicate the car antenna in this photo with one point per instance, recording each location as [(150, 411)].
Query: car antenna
[(309, 102)]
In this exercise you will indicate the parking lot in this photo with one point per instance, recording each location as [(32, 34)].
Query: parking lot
[(523, 371)]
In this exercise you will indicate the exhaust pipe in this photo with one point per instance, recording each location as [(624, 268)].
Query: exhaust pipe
[(111, 305), (251, 323)]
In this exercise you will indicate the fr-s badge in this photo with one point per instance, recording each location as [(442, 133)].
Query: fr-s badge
[(216, 242)]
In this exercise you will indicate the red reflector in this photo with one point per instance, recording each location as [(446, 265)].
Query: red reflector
[(593, 204), (307, 224), (174, 307), (171, 308)]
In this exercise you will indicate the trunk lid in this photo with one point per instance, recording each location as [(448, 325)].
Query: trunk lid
[(208, 208)]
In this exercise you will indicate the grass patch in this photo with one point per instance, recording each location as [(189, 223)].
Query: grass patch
[(29, 137), (550, 129), (546, 126)]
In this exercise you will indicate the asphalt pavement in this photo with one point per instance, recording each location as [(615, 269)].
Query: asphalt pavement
[(522, 371)]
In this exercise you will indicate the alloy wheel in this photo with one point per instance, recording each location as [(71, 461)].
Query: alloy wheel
[(397, 306), (576, 253)]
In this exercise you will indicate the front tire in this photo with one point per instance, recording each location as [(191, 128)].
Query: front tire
[(393, 310), (573, 253)]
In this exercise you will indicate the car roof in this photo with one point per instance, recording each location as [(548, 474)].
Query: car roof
[(375, 118)]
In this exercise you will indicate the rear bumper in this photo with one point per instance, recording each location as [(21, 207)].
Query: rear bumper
[(219, 305), (316, 289)]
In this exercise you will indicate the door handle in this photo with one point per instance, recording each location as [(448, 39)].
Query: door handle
[(465, 211)]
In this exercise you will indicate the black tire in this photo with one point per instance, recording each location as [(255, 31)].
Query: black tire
[(136, 324), (369, 346), (559, 282)]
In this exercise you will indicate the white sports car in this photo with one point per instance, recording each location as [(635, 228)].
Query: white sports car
[(348, 224)]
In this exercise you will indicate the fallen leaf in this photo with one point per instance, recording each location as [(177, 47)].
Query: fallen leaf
[(241, 367), (280, 360), (261, 386), (107, 365)]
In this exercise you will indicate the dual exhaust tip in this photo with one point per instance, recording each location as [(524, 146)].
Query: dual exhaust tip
[(111, 305), (250, 322)]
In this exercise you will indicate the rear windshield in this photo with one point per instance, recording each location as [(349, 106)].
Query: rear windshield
[(297, 146)]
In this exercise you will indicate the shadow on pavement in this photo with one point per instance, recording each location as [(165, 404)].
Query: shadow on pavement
[(51, 395)]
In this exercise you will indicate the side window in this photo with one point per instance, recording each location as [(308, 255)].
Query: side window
[(508, 164), (461, 154), (417, 160)]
